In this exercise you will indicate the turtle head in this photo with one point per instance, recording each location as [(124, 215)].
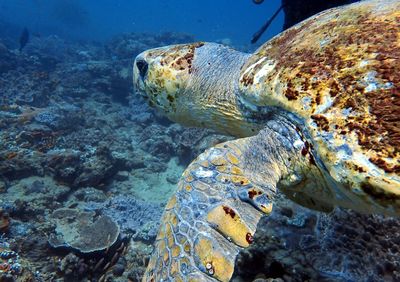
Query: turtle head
[(161, 75), (196, 85)]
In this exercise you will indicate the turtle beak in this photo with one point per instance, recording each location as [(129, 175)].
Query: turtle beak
[(140, 69)]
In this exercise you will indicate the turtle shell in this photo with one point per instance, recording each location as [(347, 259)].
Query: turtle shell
[(339, 72)]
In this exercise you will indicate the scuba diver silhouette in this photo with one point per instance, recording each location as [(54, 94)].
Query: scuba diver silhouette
[(297, 10)]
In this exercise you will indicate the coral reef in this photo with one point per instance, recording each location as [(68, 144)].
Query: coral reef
[(4, 221), (83, 231), (297, 244), (76, 146), (135, 217), (10, 265), (80, 154)]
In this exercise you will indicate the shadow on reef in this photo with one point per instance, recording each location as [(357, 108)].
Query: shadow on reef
[(79, 153)]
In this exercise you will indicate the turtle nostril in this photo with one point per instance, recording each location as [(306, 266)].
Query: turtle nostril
[(142, 66)]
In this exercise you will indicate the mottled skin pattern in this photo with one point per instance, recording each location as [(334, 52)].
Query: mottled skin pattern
[(318, 107), (340, 71)]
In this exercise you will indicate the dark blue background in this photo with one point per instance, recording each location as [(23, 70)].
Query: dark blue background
[(208, 20)]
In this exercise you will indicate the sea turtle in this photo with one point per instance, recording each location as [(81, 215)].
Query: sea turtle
[(317, 114)]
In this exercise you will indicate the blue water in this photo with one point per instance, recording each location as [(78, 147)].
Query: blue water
[(207, 20), (87, 167)]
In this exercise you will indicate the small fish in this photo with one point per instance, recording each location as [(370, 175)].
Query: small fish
[(23, 39)]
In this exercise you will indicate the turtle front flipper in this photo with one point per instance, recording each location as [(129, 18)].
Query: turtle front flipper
[(212, 216), (220, 199)]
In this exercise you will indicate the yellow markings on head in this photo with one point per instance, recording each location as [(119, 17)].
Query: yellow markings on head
[(188, 188), (222, 268), (228, 222)]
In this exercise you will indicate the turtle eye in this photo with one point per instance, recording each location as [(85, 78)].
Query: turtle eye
[(142, 66)]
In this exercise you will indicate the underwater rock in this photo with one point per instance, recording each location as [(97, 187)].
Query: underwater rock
[(7, 59), (138, 258), (36, 136), (165, 141), (83, 231), (32, 196), (35, 247), (10, 264), (4, 221), (82, 170), (3, 186), (191, 142), (28, 87), (299, 244), (94, 266), (73, 267), (119, 269), (97, 68), (59, 49), (122, 176), (19, 164), (135, 217), (63, 138), (65, 164), (156, 142), (89, 194), (63, 117), (139, 112), (127, 46), (97, 169)]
